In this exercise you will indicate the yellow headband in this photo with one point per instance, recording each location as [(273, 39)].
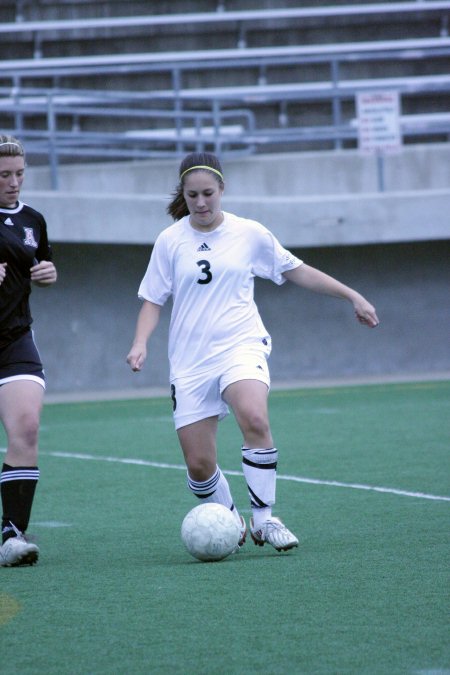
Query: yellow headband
[(208, 168)]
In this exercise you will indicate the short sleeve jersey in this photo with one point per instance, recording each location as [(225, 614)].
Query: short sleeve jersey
[(210, 277), (23, 241)]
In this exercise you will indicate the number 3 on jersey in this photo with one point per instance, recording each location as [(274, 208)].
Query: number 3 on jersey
[(206, 271)]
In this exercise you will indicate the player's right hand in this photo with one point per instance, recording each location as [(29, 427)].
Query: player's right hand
[(136, 358)]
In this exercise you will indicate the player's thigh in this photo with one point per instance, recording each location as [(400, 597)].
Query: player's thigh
[(245, 387), (20, 406), (249, 401)]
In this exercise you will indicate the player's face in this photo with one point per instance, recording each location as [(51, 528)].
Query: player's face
[(203, 196), (12, 171)]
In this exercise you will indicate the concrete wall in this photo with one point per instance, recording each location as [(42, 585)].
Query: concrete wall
[(392, 246), (306, 199), (416, 167), (84, 325)]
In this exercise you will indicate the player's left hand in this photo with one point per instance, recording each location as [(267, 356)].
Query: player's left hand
[(43, 273), (365, 313)]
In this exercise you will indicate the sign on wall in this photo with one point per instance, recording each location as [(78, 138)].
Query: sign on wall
[(379, 122)]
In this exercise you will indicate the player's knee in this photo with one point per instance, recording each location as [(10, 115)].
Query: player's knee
[(25, 434), (200, 468), (256, 423)]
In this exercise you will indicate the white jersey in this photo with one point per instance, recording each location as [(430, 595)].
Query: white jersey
[(210, 277)]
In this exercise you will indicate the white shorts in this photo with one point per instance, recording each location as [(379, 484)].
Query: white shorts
[(200, 396)]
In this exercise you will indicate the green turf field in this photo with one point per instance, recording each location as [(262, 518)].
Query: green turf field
[(364, 483)]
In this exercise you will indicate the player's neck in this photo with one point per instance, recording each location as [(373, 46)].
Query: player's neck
[(207, 227)]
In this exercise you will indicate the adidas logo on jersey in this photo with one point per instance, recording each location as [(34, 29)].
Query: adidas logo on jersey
[(8, 221), (203, 247)]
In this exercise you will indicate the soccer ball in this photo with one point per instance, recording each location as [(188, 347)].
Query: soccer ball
[(210, 532)]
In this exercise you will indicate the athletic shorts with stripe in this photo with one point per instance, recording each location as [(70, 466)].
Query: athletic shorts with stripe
[(20, 360), (200, 396)]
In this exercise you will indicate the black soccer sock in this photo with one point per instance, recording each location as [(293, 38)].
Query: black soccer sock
[(17, 486)]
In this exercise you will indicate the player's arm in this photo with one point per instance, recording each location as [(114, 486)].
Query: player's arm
[(43, 273), (319, 282), (147, 321)]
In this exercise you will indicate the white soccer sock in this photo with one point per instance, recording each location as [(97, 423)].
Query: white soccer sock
[(260, 471), (215, 490)]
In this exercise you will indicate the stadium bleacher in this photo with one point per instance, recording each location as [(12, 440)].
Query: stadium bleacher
[(108, 95), (263, 80)]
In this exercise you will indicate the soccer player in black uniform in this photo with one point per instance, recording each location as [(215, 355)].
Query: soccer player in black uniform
[(25, 258)]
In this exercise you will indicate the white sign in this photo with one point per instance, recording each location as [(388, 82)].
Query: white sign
[(379, 122)]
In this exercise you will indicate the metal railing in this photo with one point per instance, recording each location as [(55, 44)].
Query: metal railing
[(146, 132), (57, 121), (159, 133)]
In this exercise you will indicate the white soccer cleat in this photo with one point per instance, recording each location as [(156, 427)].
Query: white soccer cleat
[(18, 551), (243, 532), (273, 532)]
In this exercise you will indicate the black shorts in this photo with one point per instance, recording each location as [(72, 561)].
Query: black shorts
[(20, 360)]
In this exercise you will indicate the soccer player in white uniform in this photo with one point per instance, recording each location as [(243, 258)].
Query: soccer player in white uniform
[(206, 263), (25, 258)]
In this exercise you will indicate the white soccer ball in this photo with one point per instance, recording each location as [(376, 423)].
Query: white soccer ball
[(210, 532)]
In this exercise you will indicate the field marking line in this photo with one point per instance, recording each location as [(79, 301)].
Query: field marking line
[(294, 479)]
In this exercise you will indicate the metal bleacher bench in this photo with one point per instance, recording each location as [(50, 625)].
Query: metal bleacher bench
[(258, 93), (243, 18), (300, 91), (225, 58), (71, 100), (217, 121)]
